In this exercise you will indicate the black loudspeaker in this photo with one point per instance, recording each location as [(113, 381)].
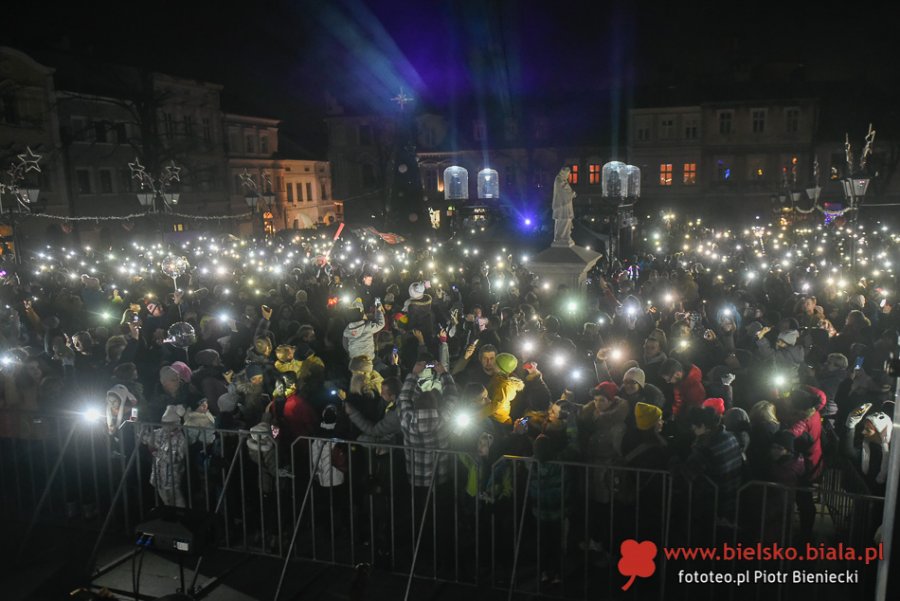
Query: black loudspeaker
[(178, 531)]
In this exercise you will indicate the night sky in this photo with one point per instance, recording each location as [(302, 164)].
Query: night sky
[(279, 58)]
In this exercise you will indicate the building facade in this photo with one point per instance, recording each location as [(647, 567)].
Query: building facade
[(89, 123), (29, 118), (301, 189), (723, 154)]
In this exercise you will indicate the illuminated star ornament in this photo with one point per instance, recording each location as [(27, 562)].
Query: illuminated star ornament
[(29, 160), (138, 171), (402, 99), (247, 180), (173, 172)]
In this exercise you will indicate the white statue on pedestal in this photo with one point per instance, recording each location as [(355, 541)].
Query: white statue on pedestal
[(563, 195)]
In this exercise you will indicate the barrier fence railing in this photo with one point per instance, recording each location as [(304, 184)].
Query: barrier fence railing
[(551, 529)]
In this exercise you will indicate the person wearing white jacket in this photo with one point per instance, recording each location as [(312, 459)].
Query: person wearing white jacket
[(359, 335), (323, 453)]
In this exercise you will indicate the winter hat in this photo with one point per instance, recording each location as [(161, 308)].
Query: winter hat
[(260, 439), (736, 420), (784, 439), (646, 416), (789, 337), (253, 370), (172, 414), (301, 298), (388, 299), (121, 392), (607, 389), (753, 328), (168, 373), (883, 425), (717, 404), (506, 363), (416, 290), (637, 375), (227, 402), (208, 357), (361, 363), (183, 371)]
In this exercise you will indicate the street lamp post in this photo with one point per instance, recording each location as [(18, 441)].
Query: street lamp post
[(854, 191), (22, 196), (253, 198), (156, 194)]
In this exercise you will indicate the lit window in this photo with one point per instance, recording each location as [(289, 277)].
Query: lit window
[(758, 120), (690, 174), (573, 174), (594, 174), (665, 174), (178, 227), (759, 173)]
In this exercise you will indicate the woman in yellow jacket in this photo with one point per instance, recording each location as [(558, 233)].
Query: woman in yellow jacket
[(502, 388)]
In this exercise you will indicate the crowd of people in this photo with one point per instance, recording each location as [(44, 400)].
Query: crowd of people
[(714, 355)]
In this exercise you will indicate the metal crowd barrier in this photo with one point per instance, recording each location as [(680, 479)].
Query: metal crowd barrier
[(272, 502)]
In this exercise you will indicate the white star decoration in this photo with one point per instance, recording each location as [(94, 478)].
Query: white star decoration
[(30, 160), (173, 172), (247, 180), (402, 99), (138, 171)]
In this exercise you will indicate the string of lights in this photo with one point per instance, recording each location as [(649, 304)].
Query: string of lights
[(133, 216)]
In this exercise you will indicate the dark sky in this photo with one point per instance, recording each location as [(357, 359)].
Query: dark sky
[(278, 58)]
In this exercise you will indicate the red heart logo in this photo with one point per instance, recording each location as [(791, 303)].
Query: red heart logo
[(637, 560)]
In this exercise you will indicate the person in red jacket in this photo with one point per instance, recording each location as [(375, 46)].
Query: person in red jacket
[(800, 414), (687, 386), (300, 418)]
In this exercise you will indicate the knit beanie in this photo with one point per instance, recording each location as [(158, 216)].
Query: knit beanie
[(659, 336), (183, 371), (506, 363), (646, 416), (416, 290), (388, 299), (207, 357), (168, 373), (301, 298), (789, 337), (253, 370), (361, 363), (607, 389), (717, 404), (637, 375)]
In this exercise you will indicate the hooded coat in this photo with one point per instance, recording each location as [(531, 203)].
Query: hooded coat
[(689, 392), (359, 336)]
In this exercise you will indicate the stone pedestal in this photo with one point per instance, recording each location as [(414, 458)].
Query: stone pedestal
[(563, 264)]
